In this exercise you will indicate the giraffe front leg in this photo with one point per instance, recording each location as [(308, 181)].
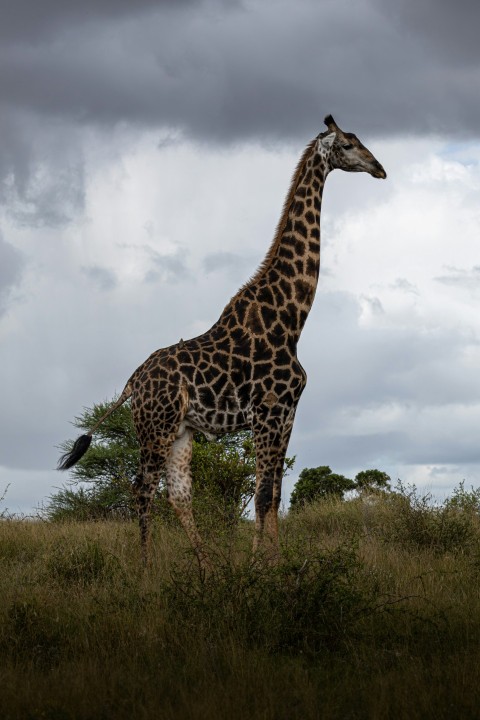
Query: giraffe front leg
[(271, 447), (267, 503)]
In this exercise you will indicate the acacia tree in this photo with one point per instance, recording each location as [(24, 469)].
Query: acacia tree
[(100, 483), (317, 483), (320, 482), (223, 472), (372, 481)]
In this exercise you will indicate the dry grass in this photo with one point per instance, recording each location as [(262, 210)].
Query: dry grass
[(365, 617)]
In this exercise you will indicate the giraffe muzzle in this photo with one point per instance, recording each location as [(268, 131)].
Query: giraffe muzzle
[(378, 172)]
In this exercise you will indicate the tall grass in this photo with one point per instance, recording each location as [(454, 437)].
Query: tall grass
[(372, 612)]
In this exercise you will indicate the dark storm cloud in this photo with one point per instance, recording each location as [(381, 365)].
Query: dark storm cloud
[(221, 72), (451, 29), (225, 71), (24, 20)]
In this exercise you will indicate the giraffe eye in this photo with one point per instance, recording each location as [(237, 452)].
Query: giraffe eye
[(348, 146)]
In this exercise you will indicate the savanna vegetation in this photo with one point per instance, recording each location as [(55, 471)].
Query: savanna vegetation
[(372, 612)]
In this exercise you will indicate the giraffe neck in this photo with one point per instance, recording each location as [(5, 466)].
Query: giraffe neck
[(287, 279)]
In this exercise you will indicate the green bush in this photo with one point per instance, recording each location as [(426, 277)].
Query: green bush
[(417, 521), (303, 605), (318, 483), (466, 501)]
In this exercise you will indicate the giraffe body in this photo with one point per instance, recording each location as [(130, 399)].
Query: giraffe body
[(244, 371)]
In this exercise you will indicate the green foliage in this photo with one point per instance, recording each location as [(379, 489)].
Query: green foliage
[(371, 481), (98, 502), (304, 605), (467, 501), (317, 483), (223, 474), (418, 522), (114, 453), (101, 484)]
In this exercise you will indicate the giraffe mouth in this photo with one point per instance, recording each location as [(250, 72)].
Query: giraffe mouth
[(378, 172)]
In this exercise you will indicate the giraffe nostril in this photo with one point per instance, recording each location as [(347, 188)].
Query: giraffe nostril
[(379, 172)]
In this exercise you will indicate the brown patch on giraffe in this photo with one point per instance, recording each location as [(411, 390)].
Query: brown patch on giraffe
[(303, 292), (253, 319), (271, 399)]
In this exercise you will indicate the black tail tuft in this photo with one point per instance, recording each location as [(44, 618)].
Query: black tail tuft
[(78, 450)]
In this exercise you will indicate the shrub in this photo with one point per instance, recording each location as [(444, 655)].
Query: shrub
[(317, 483), (303, 605), (417, 521)]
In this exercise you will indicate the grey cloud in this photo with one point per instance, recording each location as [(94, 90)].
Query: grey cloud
[(220, 260), (167, 268), (41, 171), (364, 450), (404, 286), (102, 277), (24, 20), (11, 264), (224, 71), (231, 262), (374, 304), (366, 367), (355, 370), (468, 279), (451, 29), (443, 446), (220, 72)]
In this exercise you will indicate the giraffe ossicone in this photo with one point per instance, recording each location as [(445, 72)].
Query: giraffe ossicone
[(244, 371)]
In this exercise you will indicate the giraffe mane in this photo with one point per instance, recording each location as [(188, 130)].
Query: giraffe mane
[(265, 264)]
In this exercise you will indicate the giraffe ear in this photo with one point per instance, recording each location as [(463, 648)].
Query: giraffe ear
[(328, 140)]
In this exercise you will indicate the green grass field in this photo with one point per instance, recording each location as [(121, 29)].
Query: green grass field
[(373, 612)]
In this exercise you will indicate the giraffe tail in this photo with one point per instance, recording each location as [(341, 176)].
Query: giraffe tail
[(82, 443)]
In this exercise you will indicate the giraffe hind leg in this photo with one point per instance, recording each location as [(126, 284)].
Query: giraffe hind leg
[(179, 489), (145, 487), (156, 433)]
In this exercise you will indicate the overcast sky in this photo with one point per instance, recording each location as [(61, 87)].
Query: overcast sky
[(145, 151)]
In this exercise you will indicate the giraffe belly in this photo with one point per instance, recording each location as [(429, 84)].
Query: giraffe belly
[(212, 422), (215, 413)]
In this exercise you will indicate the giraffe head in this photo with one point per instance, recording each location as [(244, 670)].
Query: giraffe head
[(346, 152)]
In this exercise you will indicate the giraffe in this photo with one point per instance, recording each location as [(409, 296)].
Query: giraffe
[(244, 371)]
